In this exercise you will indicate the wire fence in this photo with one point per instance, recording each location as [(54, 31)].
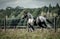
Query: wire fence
[(22, 23)]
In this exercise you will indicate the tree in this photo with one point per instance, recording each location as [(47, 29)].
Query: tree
[(8, 11), (45, 9), (50, 8), (36, 12), (57, 5), (58, 9)]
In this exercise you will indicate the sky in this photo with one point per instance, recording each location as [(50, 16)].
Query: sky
[(27, 3)]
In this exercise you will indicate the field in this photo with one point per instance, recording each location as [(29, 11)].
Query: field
[(23, 34)]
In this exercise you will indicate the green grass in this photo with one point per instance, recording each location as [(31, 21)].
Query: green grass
[(23, 34)]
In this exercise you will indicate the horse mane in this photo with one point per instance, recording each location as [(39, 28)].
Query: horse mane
[(30, 15)]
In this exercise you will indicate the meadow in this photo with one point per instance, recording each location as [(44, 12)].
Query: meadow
[(24, 34)]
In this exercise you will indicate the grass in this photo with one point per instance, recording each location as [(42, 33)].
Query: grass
[(23, 34)]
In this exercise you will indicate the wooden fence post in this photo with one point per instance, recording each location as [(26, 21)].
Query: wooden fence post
[(55, 24), (5, 24)]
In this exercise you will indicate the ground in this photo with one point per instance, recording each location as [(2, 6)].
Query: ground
[(23, 34)]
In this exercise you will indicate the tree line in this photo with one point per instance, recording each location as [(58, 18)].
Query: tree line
[(16, 12)]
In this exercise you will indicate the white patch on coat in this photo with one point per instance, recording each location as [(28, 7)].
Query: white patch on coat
[(42, 18), (30, 21)]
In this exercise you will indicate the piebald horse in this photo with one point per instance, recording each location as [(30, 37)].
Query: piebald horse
[(30, 20), (40, 21)]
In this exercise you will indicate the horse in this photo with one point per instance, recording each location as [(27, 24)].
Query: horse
[(30, 20), (41, 21)]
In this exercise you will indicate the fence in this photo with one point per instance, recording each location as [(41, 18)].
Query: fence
[(18, 23)]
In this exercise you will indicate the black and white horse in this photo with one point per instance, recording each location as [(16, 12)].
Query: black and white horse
[(40, 21), (30, 20)]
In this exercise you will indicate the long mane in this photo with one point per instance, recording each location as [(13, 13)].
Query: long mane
[(30, 15)]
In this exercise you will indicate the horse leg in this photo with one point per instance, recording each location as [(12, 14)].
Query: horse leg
[(40, 25), (45, 26), (30, 27), (49, 28)]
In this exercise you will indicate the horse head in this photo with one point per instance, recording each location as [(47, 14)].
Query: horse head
[(24, 15), (27, 15)]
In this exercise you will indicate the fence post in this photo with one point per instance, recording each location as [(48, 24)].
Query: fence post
[(55, 24), (5, 24)]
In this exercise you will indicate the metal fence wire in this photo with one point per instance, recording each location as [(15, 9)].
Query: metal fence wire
[(19, 22)]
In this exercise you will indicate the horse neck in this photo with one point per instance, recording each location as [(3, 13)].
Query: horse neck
[(30, 16)]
